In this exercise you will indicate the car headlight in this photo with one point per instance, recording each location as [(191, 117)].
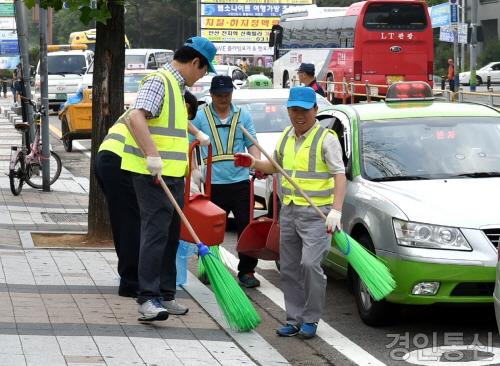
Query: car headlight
[(419, 235)]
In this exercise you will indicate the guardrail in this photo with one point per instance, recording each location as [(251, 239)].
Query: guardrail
[(348, 91)]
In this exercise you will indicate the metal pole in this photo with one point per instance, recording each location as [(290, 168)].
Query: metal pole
[(198, 19), (455, 57), (473, 44), (462, 45), (44, 91), (22, 35)]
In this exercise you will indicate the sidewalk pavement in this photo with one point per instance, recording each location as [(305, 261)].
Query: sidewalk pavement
[(60, 306)]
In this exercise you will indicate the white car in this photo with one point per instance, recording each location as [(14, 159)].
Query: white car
[(270, 117), (65, 73), (201, 86), (147, 58), (492, 69)]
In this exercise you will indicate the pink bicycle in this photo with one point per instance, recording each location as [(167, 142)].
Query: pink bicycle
[(26, 163)]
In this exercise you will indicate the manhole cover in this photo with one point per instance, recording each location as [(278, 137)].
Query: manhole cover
[(64, 217)]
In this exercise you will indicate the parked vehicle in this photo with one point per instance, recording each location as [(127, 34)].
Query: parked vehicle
[(422, 194), (147, 58), (380, 42), (492, 70), (66, 65)]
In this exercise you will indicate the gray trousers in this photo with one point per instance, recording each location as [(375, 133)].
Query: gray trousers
[(304, 245), (160, 230)]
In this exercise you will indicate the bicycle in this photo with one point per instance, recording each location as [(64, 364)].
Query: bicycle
[(26, 164)]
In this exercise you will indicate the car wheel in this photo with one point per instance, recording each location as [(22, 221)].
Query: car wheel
[(66, 137), (371, 312)]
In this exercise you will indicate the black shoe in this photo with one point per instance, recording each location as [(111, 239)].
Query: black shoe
[(127, 292)]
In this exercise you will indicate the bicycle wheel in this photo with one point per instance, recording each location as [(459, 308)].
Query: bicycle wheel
[(17, 174), (34, 178)]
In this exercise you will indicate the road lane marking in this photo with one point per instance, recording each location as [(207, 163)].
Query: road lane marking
[(76, 144), (329, 334)]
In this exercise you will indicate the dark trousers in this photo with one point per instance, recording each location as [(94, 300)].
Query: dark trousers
[(160, 230), (123, 214), (452, 84), (235, 197)]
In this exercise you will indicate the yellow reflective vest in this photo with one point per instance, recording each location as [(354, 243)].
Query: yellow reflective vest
[(220, 154), (306, 167), (115, 139), (168, 131)]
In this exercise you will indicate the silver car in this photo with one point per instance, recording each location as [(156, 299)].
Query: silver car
[(423, 194)]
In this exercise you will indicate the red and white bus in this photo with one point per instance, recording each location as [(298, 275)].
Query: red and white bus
[(379, 41)]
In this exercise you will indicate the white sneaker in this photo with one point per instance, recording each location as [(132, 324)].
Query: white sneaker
[(152, 310), (174, 308)]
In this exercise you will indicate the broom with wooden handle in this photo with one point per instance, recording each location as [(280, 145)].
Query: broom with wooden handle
[(372, 271), (236, 308)]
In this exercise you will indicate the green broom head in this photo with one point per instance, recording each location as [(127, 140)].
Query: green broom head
[(233, 302), (372, 271), (202, 272)]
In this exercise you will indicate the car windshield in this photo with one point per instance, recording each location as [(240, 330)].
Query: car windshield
[(270, 115), (131, 82), (134, 60), (65, 64), (267, 115), (430, 148)]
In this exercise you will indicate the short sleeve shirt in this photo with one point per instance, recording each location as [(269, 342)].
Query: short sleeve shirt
[(151, 94), (224, 172)]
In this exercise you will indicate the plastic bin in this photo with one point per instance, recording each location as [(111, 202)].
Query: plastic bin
[(184, 251)]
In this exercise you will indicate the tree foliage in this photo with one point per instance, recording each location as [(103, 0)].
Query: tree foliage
[(99, 13), (491, 53)]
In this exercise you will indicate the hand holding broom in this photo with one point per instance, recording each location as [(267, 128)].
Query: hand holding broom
[(235, 305), (372, 271)]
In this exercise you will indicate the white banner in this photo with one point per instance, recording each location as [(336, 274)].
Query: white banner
[(7, 23), (243, 49), (8, 34)]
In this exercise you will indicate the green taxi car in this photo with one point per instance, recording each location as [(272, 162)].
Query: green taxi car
[(423, 194)]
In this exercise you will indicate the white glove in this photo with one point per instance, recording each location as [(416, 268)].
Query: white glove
[(154, 165), (203, 138), (333, 220)]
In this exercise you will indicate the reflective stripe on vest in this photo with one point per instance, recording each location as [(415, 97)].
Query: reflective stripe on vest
[(306, 167), (168, 132), (220, 154), (115, 139)]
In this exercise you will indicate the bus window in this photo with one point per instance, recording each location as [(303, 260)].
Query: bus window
[(395, 16)]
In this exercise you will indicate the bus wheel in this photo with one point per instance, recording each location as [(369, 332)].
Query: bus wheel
[(286, 80)]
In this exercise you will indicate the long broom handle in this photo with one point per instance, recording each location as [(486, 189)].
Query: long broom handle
[(184, 219), (159, 179), (282, 171)]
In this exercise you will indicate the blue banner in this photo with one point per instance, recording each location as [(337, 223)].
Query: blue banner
[(440, 15), (243, 10), (9, 47), (454, 13)]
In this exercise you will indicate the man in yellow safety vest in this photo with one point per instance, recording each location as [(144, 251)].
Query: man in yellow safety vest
[(312, 156)]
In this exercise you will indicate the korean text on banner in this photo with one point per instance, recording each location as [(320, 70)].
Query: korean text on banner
[(236, 35), (238, 23), (291, 2)]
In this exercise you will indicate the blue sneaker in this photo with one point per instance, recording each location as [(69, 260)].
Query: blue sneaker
[(308, 330), (288, 330)]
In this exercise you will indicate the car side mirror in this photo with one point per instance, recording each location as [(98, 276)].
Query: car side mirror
[(238, 83), (84, 69)]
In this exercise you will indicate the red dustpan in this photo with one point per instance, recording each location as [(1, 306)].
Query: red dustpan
[(207, 219), (261, 238)]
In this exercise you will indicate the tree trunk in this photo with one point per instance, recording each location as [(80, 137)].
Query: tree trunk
[(107, 106)]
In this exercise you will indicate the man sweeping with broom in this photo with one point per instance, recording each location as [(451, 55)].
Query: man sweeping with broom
[(312, 155)]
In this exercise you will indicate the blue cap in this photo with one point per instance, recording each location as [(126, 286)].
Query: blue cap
[(221, 84), (301, 96), (205, 47), (307, 68)]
